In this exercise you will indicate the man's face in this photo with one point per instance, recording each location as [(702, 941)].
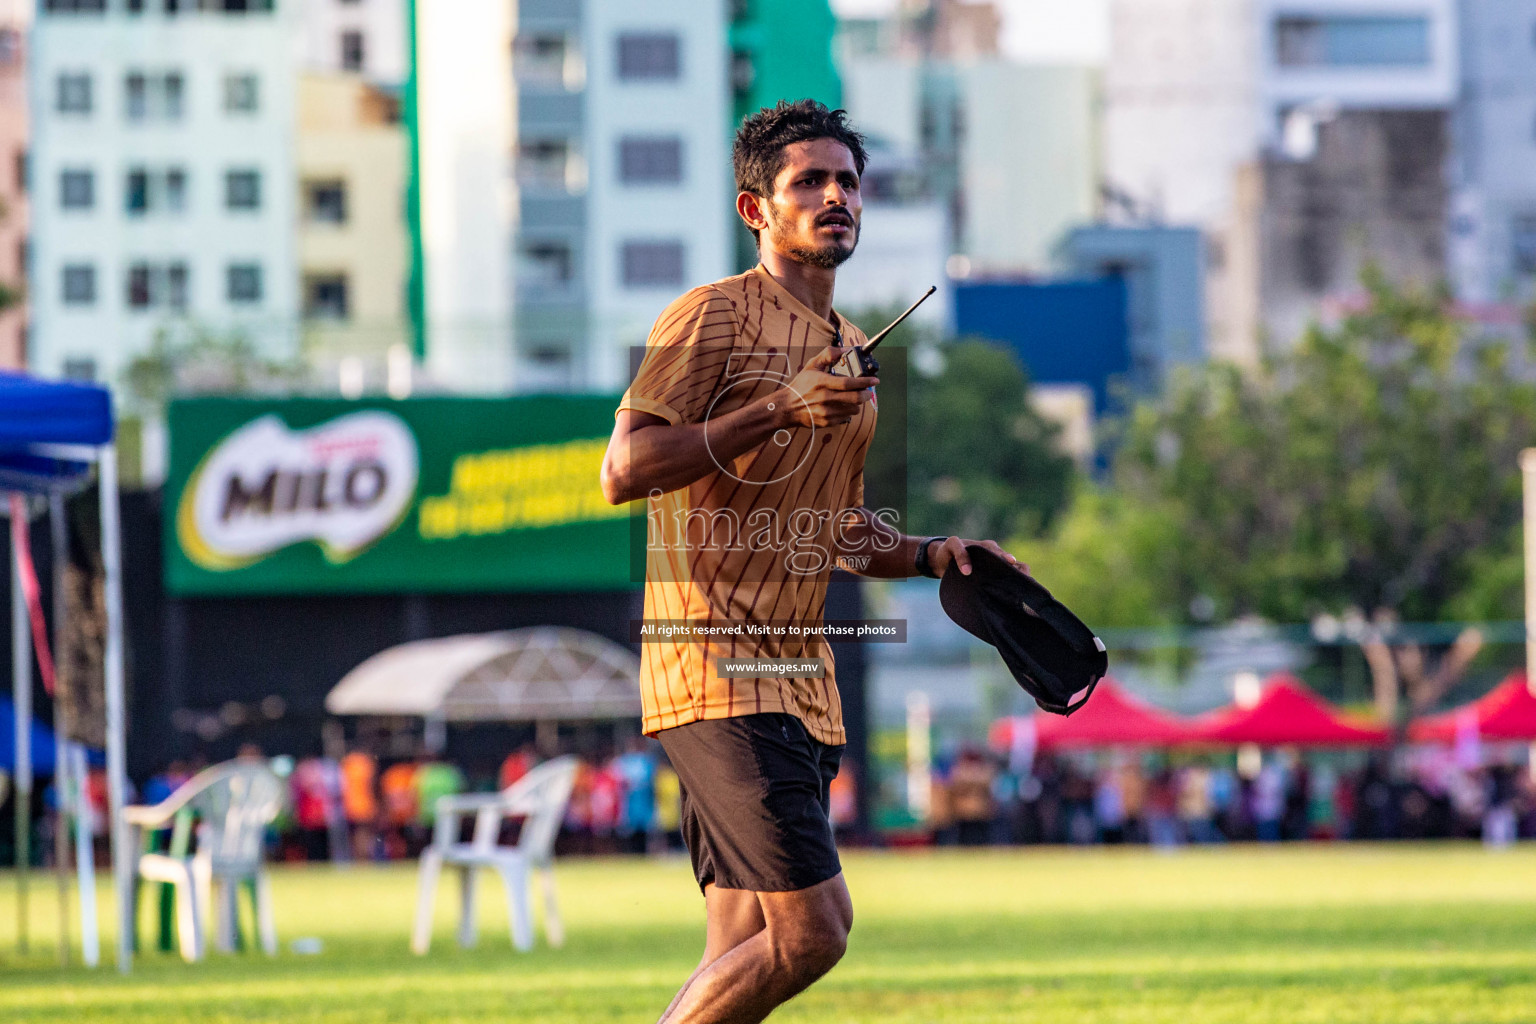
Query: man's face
[(813, 214)]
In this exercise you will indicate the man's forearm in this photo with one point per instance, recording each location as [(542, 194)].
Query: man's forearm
[(664, 457), (870, 547)]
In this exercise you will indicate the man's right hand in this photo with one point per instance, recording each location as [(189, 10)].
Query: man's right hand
[(817, 398)]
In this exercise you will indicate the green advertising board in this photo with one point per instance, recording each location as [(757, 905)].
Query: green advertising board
[(329, 496)]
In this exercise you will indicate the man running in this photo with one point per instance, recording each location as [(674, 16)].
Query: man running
[(751, 456)]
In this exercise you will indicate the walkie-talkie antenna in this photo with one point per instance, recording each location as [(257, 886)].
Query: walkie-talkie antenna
[(869, 346)]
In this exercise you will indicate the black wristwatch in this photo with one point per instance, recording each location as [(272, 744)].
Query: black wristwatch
[(923, 568)]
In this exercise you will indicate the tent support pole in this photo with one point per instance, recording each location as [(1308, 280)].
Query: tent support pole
[(1528, 494), (21, 691), (85, 857), (112, 669), (59, 549)]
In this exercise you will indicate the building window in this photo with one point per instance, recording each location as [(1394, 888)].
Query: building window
[(175, 190), (540, 59), (136, 195), (155, 191), (153, 97), (652, 264), (743, 72), (1350, 41), (77, 189), (176, 286), (74, 93), (546, 264), (650, 161), (649, 56), (136, 96), (80, 368), (1523, 239), (243, 282), (542, 163), (170, 96), (240, 94), (551, 355), (352, 51), (325, 202), (138, 286), (242, 190), (76, 6), (79, 284), (153, 285), (325, 296)]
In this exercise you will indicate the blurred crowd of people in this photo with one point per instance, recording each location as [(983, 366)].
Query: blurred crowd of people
[(362, 807), (358, 807), (1425, 793)]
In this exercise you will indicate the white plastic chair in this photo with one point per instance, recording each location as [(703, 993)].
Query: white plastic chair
[(233, 804), (539, 798)]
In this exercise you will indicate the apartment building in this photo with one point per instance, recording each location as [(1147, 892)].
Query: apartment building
[(1493, 220), (15, 20), (585, 189), (1011, 149), (353, 239), (1303, 137), (359, 37), (162, 178)]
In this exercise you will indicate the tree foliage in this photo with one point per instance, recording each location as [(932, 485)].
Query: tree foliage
[(983, 462), (959, 447), (1371, 469), (201, 361)]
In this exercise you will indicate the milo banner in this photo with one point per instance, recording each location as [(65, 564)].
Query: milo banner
[(304, 496)]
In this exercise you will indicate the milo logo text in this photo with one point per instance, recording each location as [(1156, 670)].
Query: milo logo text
[(342, 484)]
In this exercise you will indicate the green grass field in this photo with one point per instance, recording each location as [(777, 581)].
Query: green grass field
[(1333, 935)]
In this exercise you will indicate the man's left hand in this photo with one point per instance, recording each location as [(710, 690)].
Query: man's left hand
[(953, 550)]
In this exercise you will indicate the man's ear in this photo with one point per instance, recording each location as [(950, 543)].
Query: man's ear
[(753, 210)]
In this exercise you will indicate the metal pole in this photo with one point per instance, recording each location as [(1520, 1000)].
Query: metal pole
[(85, 857), (117, 764), (416, 282), (21, 691), (919, 756), (1528, 480), (60, 551)]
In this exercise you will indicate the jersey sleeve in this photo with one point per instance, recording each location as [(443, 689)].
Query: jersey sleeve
[(685, 358)]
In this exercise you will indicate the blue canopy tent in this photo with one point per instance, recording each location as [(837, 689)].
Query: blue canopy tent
[(51, 433), (45, 746), (41, 743)]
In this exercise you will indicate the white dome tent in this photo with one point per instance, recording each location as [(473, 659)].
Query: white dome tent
[(543, 674)]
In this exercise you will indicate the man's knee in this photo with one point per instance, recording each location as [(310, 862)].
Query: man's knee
[(808, 948)]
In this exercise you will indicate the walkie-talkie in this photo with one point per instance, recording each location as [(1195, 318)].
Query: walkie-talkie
[(859, 361)]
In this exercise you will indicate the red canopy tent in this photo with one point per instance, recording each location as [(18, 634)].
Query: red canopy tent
[(1111, 718), (1287, 715), (1507, 712)]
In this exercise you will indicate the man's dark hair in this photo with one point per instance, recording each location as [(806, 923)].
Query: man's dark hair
[(758, 154)]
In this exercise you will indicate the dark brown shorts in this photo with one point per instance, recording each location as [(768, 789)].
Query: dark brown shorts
[(755, 801)]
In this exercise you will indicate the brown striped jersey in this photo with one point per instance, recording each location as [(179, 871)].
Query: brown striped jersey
[(752, 542)]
